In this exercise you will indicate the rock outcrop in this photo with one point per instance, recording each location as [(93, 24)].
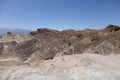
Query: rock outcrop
[(46, 43), (48, 54)]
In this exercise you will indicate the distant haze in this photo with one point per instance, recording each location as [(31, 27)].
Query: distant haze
[(15, 31)]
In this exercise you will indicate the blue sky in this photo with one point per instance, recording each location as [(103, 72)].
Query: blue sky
[(59, 14)]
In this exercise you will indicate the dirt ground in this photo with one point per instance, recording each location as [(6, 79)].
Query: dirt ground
[(70, 67)]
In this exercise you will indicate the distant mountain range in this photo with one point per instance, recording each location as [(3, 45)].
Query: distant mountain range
[(15, 31)]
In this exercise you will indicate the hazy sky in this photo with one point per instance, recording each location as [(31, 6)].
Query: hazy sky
[(59, 14)]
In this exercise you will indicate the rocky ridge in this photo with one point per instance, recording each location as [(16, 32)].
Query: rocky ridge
[(46, 43), (48, 54)]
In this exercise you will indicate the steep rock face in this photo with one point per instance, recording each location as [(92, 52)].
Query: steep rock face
[(46, 43)]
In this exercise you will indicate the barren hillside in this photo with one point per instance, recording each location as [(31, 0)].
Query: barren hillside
[(46, 43), (48, 54)]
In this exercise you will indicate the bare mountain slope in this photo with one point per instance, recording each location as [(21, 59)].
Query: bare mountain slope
[(45, 43), (48, 54)]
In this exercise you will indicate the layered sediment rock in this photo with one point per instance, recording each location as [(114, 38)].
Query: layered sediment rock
[(48, 54), (49, 43)]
